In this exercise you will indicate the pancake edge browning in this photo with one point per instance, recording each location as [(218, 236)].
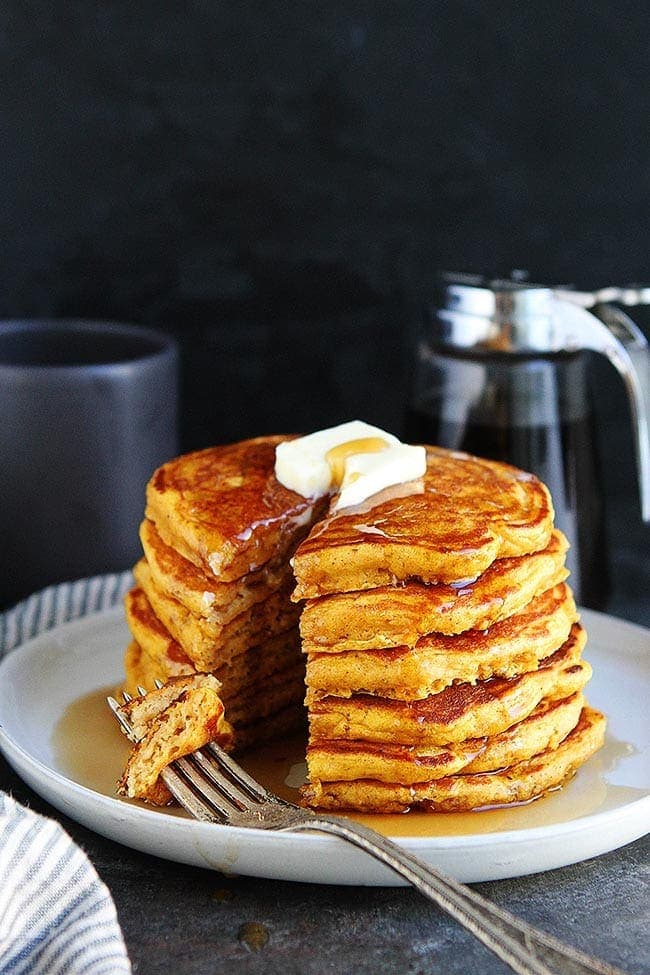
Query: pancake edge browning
[(343, 760), (460, 711), (452, 530), (393, 616), (204, 595), (223, 509), (209, 645), (518, 783), (511, 646)]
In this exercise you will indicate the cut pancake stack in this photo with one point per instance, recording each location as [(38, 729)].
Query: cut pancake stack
[(441, 641), (444, 667), (212, 591)]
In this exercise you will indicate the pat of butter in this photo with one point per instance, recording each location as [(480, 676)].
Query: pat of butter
[(356, 456), (302, 464), (367, 474)]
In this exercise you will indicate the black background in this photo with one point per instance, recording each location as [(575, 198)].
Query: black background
[(277, 184)]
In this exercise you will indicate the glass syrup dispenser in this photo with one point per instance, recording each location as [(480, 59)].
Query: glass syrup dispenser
[(501, 372)]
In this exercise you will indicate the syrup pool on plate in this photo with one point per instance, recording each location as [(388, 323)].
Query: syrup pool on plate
[(91, 750)]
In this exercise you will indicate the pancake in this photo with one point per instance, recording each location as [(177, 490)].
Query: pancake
[(460, 711), (255, 683), (208, 644), (393, 616), (251, 698), (517, 783), (513, 646), (279, 654), (544, 728), (223, 509), (470, 512), (142, 670), (157, 643), (170, 722), (202, 593), (150, 634), (278, 726)]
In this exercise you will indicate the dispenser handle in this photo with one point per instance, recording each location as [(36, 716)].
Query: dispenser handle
[(610, 331)]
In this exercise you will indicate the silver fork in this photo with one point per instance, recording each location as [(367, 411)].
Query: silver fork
[(212, 787)]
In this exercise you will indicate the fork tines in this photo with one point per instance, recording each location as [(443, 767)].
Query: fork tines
[(208, 783)]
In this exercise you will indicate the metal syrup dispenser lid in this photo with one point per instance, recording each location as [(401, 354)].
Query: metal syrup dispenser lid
[(515, 317)]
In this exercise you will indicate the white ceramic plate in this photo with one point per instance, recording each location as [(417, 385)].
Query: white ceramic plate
[(605, 806)]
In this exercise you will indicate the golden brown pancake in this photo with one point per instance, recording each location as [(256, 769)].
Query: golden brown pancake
[(470, 512), (150, 634), (255, 683), (543, 729), (202, 593), (141, 670), (223, 509), (457, 793), (460, 711), (393, 616), (170, 722), (273, 653), (255, 701), (343, 759), (277, 655), (512, 646), (207, 644)]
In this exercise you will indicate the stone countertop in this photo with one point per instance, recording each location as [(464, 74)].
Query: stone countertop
[(188, 920)]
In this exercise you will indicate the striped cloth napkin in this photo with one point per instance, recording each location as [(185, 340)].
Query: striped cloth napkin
[(56, 916)]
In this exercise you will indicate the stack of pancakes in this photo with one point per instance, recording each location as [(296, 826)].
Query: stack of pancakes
[(442, 643), (443, 646), (212, 591)]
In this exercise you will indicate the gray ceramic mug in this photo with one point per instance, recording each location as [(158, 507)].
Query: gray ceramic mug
[(88, 410)]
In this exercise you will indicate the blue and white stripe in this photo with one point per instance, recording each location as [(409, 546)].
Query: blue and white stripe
[(58, 604), (56, 916)]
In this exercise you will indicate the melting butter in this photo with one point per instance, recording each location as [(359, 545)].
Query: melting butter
[(355, 458)]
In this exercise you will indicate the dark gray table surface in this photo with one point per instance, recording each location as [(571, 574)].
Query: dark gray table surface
[(187, 920)]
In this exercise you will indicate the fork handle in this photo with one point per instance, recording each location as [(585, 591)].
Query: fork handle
[(525, 949)]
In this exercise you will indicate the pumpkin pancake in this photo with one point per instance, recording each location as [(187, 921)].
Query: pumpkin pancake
[(469, 512), (517, 783), (256, 686), (201, 593), (224, 510), (512, 646), (208, 644), (150, 634), (170, 722), (544, 728), (159, 645), (142, 670), (460, 711), (393, 616), (259, 664)]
